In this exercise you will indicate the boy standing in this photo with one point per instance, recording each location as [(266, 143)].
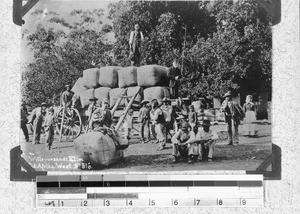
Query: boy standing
[(49, 126), (192, 117), (144, 120)]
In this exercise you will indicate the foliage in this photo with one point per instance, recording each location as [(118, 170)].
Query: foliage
[(62, 49)]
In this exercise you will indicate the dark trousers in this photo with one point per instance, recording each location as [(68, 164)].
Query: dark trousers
[(25, 130), (233, 131)]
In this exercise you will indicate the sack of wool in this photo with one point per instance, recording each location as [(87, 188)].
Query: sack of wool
[(157, 92), (152, 75), (109, 76), (85, 96), (102, 93), (114, 94), (78, 86), (97, 149), (127, 77), (91, 77), (131, 91)]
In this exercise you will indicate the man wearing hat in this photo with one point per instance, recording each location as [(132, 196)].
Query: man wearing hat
[(158, 121), (36, 118), (67, 97), (233, 116), (207, 140), (174, 75), (168, 113), (183, 144), (144, 120), (49, 127)]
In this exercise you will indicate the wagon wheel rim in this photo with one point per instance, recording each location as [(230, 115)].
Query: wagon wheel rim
[(72, 124)]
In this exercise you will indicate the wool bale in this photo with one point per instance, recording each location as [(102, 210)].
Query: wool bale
[(101, 94), (152, 75), (139, 97), (157, 92), (97, 149), (91, 77), (85, 96), (127, 77), (114, 94), (109, 76), (79, 85)]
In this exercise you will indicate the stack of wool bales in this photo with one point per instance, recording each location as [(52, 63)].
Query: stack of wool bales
[(109, 82)]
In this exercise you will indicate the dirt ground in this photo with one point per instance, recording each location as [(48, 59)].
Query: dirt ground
[(138, 157)]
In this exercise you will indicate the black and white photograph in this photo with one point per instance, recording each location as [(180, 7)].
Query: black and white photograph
[(146, 86)]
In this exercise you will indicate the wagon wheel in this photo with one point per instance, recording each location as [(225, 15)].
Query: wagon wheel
[(71, 123)]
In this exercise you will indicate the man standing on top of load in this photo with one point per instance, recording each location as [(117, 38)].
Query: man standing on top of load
[(174, 75), (158, 121), (135, 40), (67, 97)]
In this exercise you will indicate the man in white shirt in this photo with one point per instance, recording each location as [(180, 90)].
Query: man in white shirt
[(135, 40)]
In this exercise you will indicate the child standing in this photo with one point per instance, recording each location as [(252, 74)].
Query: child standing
[(144, 120), (127, 125), (49, 126), (192, 117)]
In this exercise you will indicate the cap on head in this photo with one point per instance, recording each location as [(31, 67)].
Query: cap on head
[(93, 99), (205, 123), (165, 100), (43, 104), (144, 102), (67, 86)]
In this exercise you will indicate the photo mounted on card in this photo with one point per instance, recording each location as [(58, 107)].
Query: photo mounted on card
[(147, 86)]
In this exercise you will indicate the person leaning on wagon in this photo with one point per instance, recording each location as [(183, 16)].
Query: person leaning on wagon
[(135, 43), (67, 97), (24, 121), (144, 120), (233, 116), (158, 121), (183, 144), (49, 127), (36, 118), (174, 75)]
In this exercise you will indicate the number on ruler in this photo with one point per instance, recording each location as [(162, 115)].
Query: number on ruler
[(50, 203), (152, 202), (175, 202), (243, 202), (197, 202), (107, 203), (107, 184), (130, 203), (220, 202), (61, 203), (84, 203)]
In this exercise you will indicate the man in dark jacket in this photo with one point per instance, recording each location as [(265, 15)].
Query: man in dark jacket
[(174, 75), (233, 116), (24, 121)]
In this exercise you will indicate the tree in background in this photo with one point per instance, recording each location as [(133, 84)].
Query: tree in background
[(227, 44), (62, 48)]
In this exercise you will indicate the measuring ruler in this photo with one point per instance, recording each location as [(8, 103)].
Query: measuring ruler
[(150, 191)]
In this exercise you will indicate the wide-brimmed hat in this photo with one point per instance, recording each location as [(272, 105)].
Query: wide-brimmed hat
[(66, 86), (205, 123), (93, 99), (166, 100), (44, 104), (144, 102), (228, 94)]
